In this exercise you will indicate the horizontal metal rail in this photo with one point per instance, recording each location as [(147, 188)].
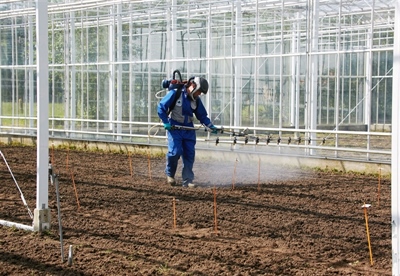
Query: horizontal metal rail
[(337, 144)]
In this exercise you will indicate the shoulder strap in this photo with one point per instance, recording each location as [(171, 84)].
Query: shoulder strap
[(197, 104), (177, 95)]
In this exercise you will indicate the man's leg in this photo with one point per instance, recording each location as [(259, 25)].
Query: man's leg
[(188, 156), (173, 154)]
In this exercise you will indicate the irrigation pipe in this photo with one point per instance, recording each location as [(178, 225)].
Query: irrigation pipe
[(16, 225), (19, 189)]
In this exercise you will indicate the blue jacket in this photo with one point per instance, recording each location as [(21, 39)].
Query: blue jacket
[(185, 108)]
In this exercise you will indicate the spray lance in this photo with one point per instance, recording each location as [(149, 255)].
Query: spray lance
[(216, 130), (206, 128)]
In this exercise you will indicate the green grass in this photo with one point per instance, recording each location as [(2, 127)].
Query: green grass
[(17, 110)]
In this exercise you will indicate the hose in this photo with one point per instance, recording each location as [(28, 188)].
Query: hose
[(22, 196)]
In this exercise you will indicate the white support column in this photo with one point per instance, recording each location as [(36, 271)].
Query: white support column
[(238, 66), (338, 74), (41, 219), (72, 50), (171, 38), (1, 81), (150, 56), (368, 71), (297, 77), (312, 105), (256, 65), (294, 62), (186, 51), (111, 81), (208, 56), (66, 72), (31, 74), (168, 35), (282, 48), (395, 145), (131, 75), (98, 73), (174, 35), (119, 70)]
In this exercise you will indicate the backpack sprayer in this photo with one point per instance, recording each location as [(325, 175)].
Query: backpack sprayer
[(174, 82)]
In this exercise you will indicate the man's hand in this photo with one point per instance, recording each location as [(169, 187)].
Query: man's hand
[(167, 126), (214, 129)]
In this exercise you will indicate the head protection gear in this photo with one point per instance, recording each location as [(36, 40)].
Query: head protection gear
[(201, 85)]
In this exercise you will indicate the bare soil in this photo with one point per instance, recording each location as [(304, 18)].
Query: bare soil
[(121, 218)]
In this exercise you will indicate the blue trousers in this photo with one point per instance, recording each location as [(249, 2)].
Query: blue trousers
[(181, 143)]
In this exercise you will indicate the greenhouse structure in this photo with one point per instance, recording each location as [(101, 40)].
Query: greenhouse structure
[(310, 73), (313, 78)]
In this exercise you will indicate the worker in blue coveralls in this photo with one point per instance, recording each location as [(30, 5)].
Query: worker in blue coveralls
[(177, 109)]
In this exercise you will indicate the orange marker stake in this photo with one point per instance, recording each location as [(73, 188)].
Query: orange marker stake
[(215, 211), (234, 175), (67, 160), (148, 158), (130, 163), (52, 155), (258, 174), (174, 211), (76, 192), (365, 207), (379, 185)]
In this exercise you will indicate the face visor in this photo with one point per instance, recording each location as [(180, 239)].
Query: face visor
[(200, 85)]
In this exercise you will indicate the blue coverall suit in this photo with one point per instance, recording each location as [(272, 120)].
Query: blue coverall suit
[(181, 142)]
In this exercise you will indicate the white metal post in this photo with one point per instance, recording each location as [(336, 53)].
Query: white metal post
[(111, 60), (31, 73), (171, 38), (256, 65), (66, 71), (281, 61), (208, 55), (119, 70), (238, 66), (395, 144), (150, 55), (313, 104), (368, 72), (71, 48), (1, 81), (41, 219)]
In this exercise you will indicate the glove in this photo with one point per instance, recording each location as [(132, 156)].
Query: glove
[(167, 126), (214, 129)]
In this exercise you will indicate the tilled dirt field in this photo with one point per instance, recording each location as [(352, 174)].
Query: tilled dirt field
[(121, 218)]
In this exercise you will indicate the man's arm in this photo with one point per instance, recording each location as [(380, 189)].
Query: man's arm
[(164, 104), (202, 115)]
